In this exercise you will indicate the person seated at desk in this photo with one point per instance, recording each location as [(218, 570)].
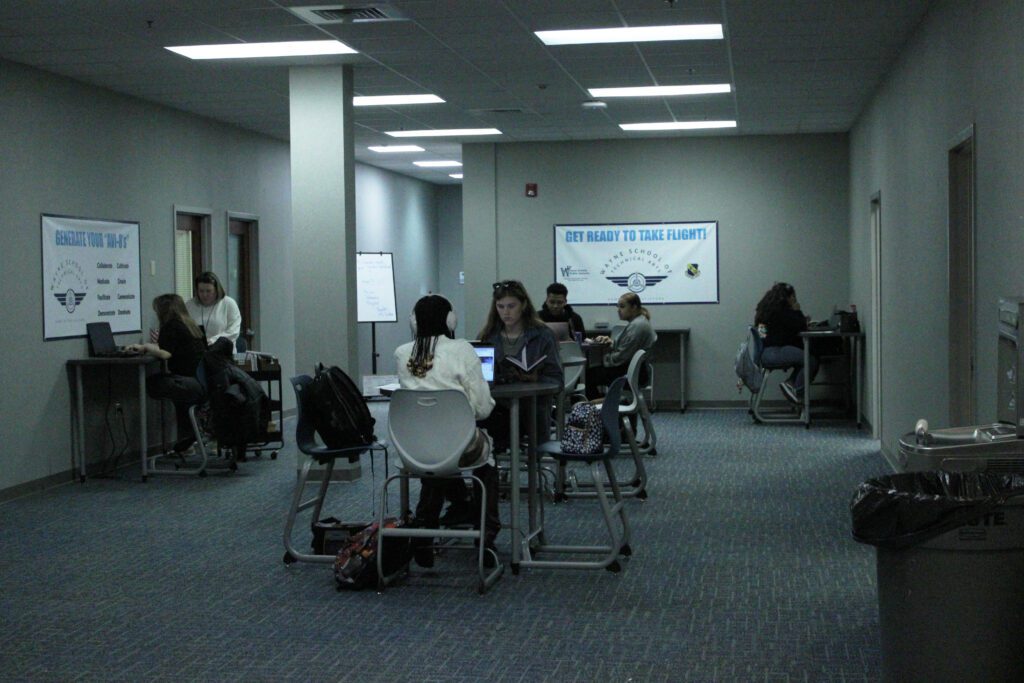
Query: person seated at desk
[(514, 328), (436, 360), (181, 345), (213, 310), (780, 315), (556, 310), (637, 335)]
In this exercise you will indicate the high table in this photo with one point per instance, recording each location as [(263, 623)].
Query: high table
[(511, 394), (856, 339), (76, 364)]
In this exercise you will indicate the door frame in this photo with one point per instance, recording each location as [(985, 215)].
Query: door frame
[(253, 221), (961, 273)]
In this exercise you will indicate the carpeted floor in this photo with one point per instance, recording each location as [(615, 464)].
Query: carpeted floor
[(743, 570)]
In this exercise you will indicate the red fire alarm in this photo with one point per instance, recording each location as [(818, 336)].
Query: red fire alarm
[(531, 189)]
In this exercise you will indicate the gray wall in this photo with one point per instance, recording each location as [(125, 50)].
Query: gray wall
[(75, 150), (781, 203), (449, 251), (963, 66)]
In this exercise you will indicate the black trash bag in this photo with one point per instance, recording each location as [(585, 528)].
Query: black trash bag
[(902, 510)]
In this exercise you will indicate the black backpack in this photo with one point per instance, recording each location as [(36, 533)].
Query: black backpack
[(338, 411)]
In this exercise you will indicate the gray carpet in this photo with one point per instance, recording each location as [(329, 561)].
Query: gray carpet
[(743, 570)]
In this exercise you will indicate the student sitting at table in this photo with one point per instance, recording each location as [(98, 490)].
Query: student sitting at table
[(435, 360), (181, 345), (516, 331), (779, 312), (637, 335), (556, 310)]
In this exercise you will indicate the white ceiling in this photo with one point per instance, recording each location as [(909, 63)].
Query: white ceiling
[(797, 66)]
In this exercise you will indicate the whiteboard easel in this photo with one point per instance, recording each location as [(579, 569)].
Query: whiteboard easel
[(375, 293)]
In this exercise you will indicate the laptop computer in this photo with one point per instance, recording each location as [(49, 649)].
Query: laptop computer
[(102, 344), (561, 331), (485, 352)]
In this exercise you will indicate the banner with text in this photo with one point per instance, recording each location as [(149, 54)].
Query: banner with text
[(664, 263), (90, 274)]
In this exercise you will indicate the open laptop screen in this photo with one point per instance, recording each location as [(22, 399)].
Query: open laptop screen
[(485, 353)]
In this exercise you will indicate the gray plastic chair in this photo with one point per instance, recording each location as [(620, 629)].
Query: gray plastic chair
[(612, 504), (430, 430), (784, 415)]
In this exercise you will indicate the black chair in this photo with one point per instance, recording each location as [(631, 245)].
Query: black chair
[(612, 504), (305, 439)]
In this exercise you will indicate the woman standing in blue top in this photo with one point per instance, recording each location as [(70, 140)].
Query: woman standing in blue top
[(513, 327)]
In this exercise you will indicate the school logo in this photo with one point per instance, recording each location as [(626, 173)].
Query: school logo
[(68, 285), (692, 270), (637, 282)]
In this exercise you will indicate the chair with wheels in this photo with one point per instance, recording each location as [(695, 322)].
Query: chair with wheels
[(431, 430), (632, 408), (611, 500), (760, 414), (305, 439)]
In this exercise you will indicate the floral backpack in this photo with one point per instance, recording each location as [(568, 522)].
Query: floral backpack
[(583, 431)]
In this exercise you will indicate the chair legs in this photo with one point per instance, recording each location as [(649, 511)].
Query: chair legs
[(186, 466), (636, 487), (487, 577), (785, 415)]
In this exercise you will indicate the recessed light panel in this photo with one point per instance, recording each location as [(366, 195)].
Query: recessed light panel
[(457, 176), (678, 125), (637, 34), (391, 100), (662, 90), (441, 132), (299, 48), (437, 164), (394, 149)]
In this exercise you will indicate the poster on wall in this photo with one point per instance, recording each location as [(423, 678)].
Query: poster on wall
[(375, 288), (90, 274), (664, 263)]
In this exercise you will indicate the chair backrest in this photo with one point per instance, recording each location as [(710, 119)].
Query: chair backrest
[(636, 391), (431, 429), (756, 345), (305, 434), (610, 415), (573, 362)]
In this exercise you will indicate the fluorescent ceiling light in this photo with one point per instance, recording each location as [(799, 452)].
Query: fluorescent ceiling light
[(638, 34), (388, 149), (384, 100), (678, 125), (441, 132), (457, 176), (661, 90), (437, 164), (298, 48)]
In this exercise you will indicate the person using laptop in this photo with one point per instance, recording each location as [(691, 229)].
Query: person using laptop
[(779, 312), (181, 344), (557, 310), (637, 335), (436, 360)]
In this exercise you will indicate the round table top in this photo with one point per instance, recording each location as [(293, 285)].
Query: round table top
[(542, 387)]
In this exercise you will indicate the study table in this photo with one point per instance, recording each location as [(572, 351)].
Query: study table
[(512, 395), (661, 355), (141, 363), (856, 341)]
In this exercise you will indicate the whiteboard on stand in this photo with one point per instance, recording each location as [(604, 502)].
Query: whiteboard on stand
[(375, 288)]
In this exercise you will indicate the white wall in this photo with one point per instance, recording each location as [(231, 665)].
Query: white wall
[(781, 203), (963, 66)]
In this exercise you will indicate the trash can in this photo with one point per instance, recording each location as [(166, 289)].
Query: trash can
[(950, 562)]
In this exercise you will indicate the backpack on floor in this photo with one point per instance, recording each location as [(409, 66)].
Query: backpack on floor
[(583, 430), (355, 567), (338, 410)]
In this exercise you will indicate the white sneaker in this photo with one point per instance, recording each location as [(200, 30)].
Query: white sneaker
[(790, 393)]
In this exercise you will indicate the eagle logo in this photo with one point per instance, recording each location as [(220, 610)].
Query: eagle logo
[(70, 299), (692, 270), (636, 282)]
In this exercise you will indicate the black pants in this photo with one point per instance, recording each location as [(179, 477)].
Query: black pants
[(182, 391), (433, 493)]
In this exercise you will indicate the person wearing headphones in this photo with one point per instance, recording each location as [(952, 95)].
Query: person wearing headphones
[(435, 360), (213, 310)]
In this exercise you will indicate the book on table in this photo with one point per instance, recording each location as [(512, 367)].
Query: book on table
[(522, 363)]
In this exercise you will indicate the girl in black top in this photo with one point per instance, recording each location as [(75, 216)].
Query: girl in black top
[(181, 345), (779, 313)]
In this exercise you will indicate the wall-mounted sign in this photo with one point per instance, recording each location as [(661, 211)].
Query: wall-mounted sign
[(664, 263), (90, 274)]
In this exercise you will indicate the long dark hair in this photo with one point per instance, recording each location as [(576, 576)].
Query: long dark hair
[(170, 307), (431, 316), (775, 299), (501, 290)]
